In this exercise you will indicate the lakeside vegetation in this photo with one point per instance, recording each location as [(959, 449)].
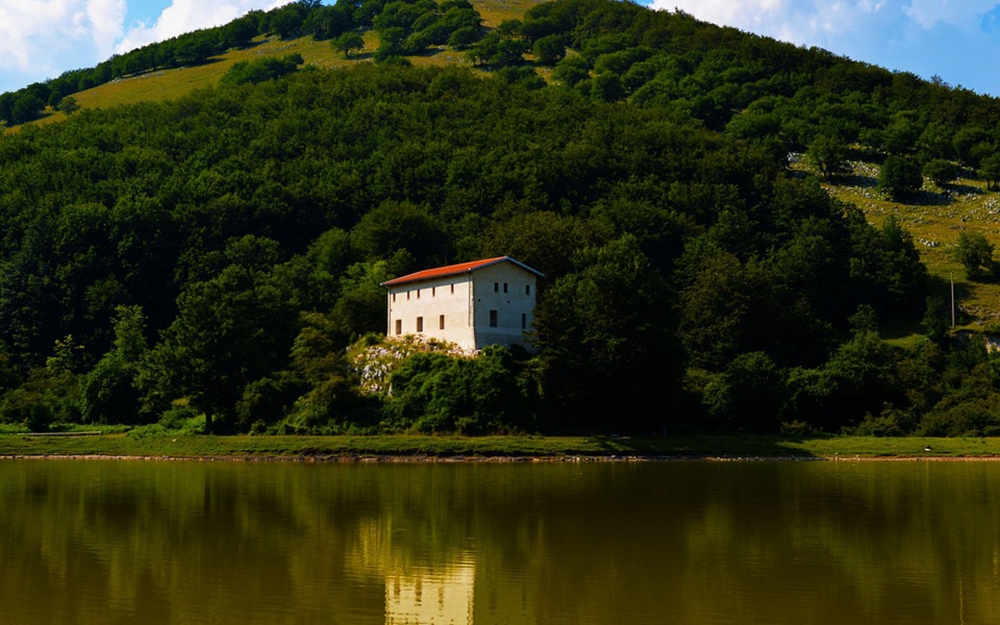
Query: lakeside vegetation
[(215, 259), (415, 447)]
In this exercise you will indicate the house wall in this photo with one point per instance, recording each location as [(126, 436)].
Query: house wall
[(465, 300), (509, 305), (429, 299)]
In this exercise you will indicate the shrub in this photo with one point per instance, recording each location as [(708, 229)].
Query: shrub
[(829, 156), (550, 50), (989, 169), (975, 253), (900, 177), (434, 392), (571, 70), (464, 37), (258, 71), (939, 170)]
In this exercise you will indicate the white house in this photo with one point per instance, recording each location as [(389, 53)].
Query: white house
[(483, 302)]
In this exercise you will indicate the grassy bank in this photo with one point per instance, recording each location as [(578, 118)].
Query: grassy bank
[(420, 447)]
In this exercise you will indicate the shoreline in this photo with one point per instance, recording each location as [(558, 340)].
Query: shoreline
[(402, 448), (433, 459)]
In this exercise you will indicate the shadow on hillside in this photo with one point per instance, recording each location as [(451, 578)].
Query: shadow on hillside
[(931, 198), (856, 180), (429, 52), (250, 46), (897, 331), (977, 279), (946, 195), (964, 189), (206, 63), (701, 447)]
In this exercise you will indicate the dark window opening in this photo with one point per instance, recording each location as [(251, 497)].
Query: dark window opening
[(496, 287), (399, 326), (441, 322), (527, 289), (504, 287), (420, 324), (524, 321), (494, 318)]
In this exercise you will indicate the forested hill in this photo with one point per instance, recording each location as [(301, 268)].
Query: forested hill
[(216, 255)]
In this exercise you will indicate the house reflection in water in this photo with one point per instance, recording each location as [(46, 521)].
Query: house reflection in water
[(425, 596)]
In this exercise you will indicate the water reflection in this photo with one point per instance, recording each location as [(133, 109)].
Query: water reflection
[(699, 543), (424, 595)]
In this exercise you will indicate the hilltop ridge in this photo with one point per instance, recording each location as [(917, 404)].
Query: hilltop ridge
[(117, 81)]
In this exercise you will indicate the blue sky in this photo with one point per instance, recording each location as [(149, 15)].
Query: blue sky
[(958, 40)]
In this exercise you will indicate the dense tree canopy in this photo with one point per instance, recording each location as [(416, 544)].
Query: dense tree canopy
[(218, 254)]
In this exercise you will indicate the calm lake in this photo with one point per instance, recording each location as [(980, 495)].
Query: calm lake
[(608, 543)]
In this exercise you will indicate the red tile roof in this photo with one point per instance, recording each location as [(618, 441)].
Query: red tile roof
[(450, 270)]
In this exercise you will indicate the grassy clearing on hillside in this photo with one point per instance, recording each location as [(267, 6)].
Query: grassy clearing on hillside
[(495, 12), (934, 218), (169, 84), (414, 447)]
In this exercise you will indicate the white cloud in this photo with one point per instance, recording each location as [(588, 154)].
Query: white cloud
[(47, 36), (183, 16), (41, 39), (927, 13), (824, 23), (809, 22)]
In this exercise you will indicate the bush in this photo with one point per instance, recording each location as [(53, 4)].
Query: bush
[(900, 177), (258, 71), (975, 253), (749, 394), (829, 156), (348, 41), (433, 392), (571, 70), (974, 417), (550, 50), (941, 171), (182, 417), (989, 169), (464, 37)]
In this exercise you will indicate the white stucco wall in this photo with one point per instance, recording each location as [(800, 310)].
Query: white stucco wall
[(465, 300), (510, 304), (429, 299)]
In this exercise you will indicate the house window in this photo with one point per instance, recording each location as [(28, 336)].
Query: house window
[(399, 326), (418, 293), (524, 321), (494, 321), (527, 289), (453, 289), (433, 291), (496, 287), (407, 295), (394, 298), (504, 287), (420, 324), (441, 322)]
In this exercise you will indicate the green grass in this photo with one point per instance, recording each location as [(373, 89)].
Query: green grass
[(170, 84), (935, 217), (118, 444)]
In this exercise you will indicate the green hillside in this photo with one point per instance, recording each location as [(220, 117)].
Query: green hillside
[(736, 233), (170, 83)]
